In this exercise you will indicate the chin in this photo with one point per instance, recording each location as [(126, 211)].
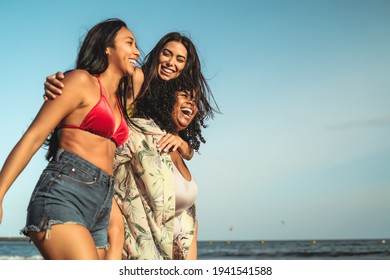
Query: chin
[(165, 78)]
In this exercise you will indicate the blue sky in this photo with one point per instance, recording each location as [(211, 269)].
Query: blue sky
[(302, 147)]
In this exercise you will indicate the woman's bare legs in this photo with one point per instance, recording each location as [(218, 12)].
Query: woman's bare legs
[(66, 242)]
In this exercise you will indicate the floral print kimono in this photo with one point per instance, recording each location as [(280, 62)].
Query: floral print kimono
[(144, 186)]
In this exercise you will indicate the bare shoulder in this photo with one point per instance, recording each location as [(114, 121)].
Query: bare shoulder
[(79, 83), (79, 78)]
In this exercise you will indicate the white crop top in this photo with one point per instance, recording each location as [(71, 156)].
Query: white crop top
[(185, 192)]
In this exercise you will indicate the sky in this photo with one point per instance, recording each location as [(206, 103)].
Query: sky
[(301, 149)]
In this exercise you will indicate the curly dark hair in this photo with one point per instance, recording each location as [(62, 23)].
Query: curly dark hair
[(159, 102)]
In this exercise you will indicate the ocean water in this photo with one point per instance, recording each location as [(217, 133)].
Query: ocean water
[(253, 250), (295, 250)]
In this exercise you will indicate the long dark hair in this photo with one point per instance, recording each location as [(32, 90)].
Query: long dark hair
[(92, 58), (192, 71), (158, 104)]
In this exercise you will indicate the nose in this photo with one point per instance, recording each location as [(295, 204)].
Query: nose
[(170, 61), (191, 102), (136, 51)]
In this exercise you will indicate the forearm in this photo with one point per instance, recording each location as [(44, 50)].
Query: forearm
[(115, 233), (16, 161), (186, 151)]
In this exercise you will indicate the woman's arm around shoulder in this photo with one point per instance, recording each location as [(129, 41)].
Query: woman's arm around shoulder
[(171, 142), (53, 86)]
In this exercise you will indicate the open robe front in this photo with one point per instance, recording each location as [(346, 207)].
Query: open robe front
[(144, 186)]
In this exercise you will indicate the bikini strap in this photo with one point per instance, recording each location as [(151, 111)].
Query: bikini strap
[(100, 85)]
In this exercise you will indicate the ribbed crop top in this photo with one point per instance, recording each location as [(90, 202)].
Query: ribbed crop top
[(101, 121), (185, 192), (185, 196)]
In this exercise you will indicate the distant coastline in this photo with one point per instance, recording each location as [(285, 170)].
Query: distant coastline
[(381, 240), (13, 239)]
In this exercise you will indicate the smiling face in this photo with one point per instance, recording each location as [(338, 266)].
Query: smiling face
[(124, 53), (184, 110), (172, 60)]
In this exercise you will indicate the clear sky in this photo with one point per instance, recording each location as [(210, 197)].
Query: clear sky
[(302, 147)]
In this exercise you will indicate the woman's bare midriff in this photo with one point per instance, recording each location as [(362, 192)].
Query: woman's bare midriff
[(96, 149)]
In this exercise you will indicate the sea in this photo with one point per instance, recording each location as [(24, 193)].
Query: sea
[(371, 249)]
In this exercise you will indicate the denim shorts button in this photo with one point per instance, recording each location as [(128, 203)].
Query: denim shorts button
[(73, 169)]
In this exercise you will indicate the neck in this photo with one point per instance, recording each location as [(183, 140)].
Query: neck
[(110, 82)]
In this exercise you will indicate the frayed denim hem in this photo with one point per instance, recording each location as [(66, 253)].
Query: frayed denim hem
[(106, 247), (47, 228)]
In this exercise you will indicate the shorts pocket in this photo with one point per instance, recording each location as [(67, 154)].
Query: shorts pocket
[(78, 175)]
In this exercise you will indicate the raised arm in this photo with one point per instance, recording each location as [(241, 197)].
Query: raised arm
[(49, 116)]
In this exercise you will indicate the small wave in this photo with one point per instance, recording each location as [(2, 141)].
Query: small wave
[(37, 257)]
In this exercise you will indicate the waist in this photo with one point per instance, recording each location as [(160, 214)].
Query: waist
[(97, 150), (64, 156)]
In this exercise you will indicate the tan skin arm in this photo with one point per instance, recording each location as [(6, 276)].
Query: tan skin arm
[(116, 233), (49, 116), (169, 142)]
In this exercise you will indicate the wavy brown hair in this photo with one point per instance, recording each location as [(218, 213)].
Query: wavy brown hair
[(192, 71)]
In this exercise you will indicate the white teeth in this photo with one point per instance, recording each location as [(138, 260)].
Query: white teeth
[(132, 61), (167, 70), (187, 111)]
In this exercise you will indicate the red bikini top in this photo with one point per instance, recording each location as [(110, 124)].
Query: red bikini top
[(101, 121)]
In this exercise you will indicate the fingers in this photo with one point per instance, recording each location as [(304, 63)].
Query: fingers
[(55, 81), (50, 92), (168, 143), (53, 86), (60, 75)]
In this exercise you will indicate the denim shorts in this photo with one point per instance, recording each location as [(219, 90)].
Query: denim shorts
[(71, 190)]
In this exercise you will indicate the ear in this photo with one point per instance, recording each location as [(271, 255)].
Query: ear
[(107, 50)]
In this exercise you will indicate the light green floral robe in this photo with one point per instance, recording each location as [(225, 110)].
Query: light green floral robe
[(144, 185)]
